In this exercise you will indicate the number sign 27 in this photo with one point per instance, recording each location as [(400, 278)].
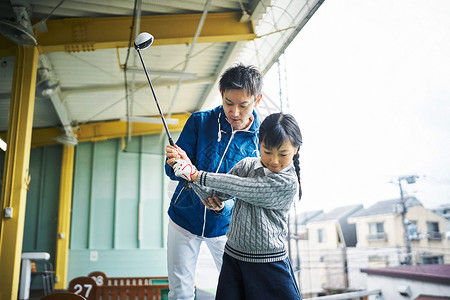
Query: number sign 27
[(84, 286)]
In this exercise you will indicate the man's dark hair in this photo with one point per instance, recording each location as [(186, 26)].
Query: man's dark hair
[(242, 77)]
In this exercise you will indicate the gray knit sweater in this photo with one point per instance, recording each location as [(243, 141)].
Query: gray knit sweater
[(258, 225)]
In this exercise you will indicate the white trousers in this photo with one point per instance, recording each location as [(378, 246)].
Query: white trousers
[(183, 248)]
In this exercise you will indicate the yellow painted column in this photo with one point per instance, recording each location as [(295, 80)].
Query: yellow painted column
[(15, 174), (65, 205)]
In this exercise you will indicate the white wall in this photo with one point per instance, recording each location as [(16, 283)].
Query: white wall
[(389, 286), (358, 258)]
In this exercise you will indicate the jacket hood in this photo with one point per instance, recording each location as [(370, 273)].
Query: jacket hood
[(225, 125)]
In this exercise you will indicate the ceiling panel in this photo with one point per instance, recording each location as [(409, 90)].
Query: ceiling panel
[(91, 84)]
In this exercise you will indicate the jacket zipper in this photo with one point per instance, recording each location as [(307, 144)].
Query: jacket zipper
[(179, 194), (226, 149), (220, 163)]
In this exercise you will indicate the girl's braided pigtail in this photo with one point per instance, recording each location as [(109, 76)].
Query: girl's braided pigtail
[(297, 170)]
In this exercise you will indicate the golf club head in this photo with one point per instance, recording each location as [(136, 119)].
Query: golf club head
[(143, 41)]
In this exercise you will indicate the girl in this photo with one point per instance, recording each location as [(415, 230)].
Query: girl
[(255, 262)]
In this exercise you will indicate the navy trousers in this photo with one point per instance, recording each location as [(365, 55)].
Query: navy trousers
[(259, 281)]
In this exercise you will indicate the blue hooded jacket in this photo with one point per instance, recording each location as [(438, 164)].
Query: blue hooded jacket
[(212, 146)]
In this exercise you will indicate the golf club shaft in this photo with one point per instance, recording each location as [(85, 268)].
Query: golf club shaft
[(156, 100)]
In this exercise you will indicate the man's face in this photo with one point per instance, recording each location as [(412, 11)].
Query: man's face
[(238, 107)]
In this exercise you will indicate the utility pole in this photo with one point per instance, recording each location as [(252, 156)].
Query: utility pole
[(409, 180)]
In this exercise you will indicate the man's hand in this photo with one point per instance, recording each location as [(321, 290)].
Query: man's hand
[(184, 170), (214, 204), (175, 152)]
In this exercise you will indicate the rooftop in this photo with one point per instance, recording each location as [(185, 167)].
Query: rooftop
[(432, 273), (386, 207), (337, 213)]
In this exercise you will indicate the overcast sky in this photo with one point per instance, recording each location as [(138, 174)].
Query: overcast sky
[(369, 83)]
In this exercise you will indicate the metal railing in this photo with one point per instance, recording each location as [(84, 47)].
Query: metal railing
[(434, 235), (350, 295)]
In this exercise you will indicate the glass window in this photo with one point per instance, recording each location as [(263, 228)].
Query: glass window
[(431, 260), (433, 231), (375, 228), (376, 232), (321, 235), (412, 230), (433, 227)]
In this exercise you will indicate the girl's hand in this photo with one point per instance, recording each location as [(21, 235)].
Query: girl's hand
[(214, 204), (185, 170)]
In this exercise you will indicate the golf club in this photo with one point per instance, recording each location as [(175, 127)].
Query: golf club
[(142, 42)]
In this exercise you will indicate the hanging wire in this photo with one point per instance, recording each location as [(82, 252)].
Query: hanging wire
[(285, 86), (280, 85), (282, 82), (125, 65)]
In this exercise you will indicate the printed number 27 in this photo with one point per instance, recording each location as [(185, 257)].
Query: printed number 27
[(78, 289)]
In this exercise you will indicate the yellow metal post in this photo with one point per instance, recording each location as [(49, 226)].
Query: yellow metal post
[(15, 174), (65, 204)]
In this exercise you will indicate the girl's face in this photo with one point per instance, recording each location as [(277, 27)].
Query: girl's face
[(277, 159)]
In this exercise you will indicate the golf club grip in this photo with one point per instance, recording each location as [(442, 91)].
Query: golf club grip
[(171, 142)]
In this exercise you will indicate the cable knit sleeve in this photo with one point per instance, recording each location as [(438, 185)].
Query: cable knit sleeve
[(272, 191)]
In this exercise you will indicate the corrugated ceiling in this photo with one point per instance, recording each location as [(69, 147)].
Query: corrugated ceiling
[(91, 84)]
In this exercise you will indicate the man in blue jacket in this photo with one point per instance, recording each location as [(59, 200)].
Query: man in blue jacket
[(213, 141)]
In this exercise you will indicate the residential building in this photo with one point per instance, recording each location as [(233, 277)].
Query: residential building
[(420, 282), (444, 210), (324, 261), (382, 241), (298, 234), (297, 242)]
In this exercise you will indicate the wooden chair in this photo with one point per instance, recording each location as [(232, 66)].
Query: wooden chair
[(63, 296)]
